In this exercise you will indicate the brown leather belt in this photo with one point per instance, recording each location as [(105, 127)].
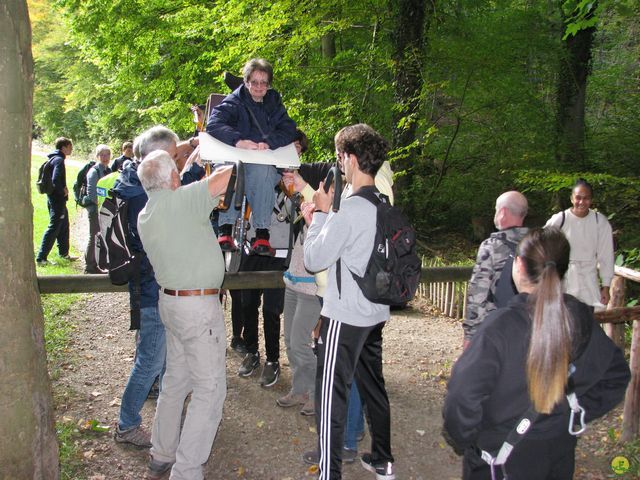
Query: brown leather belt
[(190, 293)]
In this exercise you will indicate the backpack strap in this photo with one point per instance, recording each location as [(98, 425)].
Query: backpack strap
[(530, 416), (372, 194)]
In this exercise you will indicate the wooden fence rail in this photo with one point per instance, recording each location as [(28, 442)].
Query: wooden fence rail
[(446, 287)]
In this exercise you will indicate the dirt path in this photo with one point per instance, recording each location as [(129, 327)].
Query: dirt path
[(258, 440)]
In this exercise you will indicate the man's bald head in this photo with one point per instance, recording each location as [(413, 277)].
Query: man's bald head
[(511, 208)]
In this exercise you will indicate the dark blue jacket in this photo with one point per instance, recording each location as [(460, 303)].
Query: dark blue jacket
[(59, 175), (118, 163), (128, 187), (232, 121), (195, 173)]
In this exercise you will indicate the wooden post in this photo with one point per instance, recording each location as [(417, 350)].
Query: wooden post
[(615, 331), (631, 415)]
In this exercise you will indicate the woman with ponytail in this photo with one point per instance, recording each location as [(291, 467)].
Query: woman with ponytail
[(524, 361)]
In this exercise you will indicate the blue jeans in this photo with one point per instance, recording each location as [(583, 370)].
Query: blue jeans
[(355, 419), (259, 185), (149, 363)]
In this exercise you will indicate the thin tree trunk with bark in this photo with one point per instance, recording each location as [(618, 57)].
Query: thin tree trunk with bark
[(28, 446), (575, 67), (411, 20)]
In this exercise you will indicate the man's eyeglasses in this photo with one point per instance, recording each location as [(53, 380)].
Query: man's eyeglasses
[(258, 83)]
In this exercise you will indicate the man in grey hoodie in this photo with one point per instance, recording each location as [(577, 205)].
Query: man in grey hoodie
[(350, 341)]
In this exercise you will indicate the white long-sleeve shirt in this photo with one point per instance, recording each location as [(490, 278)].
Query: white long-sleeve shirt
[(591, 262)]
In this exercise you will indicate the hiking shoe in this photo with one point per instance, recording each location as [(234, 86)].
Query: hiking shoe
[(136, 436), (261, 246), (312, 457), (226, 243), (292, 400), (238, 346), (348, 455), (309, 408), (383, 470), (249, 365), (270, 374), (157, 470)]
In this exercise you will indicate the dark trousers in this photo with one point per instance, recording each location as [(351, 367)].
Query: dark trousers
[(90, 253), (58, 229), (272, 300), (345, 352), (237, 324), (549, 459)]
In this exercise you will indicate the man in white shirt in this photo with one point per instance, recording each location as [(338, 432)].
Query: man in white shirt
[(591, 264)]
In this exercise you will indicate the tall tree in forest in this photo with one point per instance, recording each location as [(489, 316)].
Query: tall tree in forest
[(574, 69), (28, 448), (412, 17)]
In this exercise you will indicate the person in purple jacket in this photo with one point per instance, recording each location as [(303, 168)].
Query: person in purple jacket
[(253, 117)]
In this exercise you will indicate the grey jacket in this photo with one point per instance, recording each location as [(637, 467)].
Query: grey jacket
[(345, 236)]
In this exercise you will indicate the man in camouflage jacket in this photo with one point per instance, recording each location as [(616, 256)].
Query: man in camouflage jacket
[(511, 208)]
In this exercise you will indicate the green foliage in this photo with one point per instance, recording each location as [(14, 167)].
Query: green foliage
[(616, 197), (108, 69)]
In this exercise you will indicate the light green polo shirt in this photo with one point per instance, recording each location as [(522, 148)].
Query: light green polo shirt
[(177, 235)]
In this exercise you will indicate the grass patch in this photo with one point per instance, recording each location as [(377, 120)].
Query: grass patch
[(71, 461)]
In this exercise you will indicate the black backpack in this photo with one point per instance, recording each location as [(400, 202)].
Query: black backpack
[(393, 272), (113, 250), (80, 185), (505, 288), (45, 178)]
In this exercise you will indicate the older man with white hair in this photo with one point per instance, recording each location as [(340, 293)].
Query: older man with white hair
[(143, 294), (176, 218), (493, 257)]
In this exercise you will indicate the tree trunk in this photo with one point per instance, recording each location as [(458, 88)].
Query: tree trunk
[(28, 447), (411, 20), (575, 67), (328, 43)]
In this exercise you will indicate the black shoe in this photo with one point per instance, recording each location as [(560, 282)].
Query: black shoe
[(383, 470), (68, 258), (270, 374), (238, 346), (249, 365)]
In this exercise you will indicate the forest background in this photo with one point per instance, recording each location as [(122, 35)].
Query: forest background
[(475, 96)]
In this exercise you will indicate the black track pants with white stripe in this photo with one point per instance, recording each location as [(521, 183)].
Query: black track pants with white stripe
[(345, 351)]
